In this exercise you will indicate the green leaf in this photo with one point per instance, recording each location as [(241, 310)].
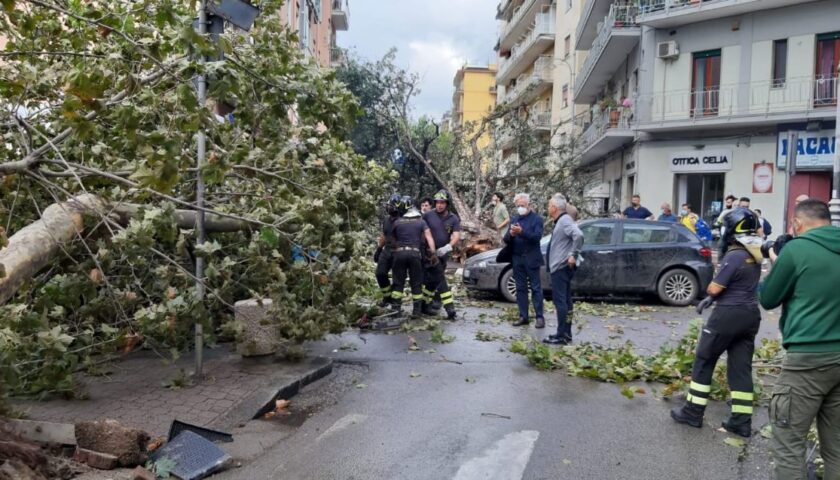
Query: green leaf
[(270, 237), (734, 442)]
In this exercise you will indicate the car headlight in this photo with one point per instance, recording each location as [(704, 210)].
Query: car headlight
[(481, 265)]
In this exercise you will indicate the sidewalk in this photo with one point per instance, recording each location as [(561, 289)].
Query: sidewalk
[(234, 391)]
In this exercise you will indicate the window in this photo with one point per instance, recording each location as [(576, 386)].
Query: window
[(645, 234), (705, 84), (828, 57), (780, 48), (597, 233), (566, 96), (567, 46)]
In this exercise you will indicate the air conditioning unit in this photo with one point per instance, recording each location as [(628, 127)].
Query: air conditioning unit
[(667, 50)]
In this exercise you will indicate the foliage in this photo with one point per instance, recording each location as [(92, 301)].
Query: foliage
[(118, 75), (438, 336)]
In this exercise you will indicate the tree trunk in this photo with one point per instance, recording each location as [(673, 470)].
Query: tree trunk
[(36, 245)]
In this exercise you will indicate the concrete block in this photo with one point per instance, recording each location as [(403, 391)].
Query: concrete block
[(140, 473), (45, 432), (98, 460), (259, 335)]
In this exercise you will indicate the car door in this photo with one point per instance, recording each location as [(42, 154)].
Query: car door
[(596, 273), (642, 250)]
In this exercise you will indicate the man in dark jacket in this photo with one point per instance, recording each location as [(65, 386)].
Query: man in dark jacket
[(525, 234), (804, 281)]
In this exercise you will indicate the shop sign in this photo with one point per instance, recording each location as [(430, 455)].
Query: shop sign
[(763, 177), (815, 149), (701, 161)]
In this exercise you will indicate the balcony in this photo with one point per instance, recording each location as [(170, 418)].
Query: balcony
[(340, 15), (610, 130), (594, 12), (519, 23), (529, 49), (618, 36), (338, 57), (675, 13), (502, 8), (754, 104), (529, 87), (540, 121)]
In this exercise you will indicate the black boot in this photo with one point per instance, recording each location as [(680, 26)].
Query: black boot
[(450, 311), (429, 309), (689, 414), (739, 424), (417, 309)]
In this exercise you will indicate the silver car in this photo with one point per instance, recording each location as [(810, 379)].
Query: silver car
[(624, 257)]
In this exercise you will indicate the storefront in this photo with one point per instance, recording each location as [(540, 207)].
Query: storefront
[(699, 180), (814, 164)]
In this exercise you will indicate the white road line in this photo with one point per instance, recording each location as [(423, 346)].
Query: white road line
[(341, 424), (505, 460)]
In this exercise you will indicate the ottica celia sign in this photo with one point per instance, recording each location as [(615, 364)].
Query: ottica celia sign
[(701, 161)]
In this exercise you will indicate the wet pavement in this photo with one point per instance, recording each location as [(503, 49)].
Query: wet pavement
[(400, 406)]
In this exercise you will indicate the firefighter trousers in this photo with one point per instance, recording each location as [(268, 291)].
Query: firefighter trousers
[(383, 268), (730, 329), (435, 283), (408, 263)]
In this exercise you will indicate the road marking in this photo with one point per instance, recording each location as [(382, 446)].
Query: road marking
[(341, 424), (505, 460)]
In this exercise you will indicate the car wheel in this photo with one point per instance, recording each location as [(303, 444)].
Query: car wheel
[(678, 287), (507, 286)]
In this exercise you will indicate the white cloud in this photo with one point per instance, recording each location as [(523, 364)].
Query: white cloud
[(436, 62)]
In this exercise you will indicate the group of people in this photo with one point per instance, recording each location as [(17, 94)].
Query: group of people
[(522, 236), (416, 244), (803, 281)]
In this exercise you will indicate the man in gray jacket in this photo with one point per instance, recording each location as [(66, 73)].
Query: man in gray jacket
[(561, 261)]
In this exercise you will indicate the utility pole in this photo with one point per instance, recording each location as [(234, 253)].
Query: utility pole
[(834, 205), (790, 171), (199, 197)]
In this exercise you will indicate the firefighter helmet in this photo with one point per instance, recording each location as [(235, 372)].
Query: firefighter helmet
[(741, 222)]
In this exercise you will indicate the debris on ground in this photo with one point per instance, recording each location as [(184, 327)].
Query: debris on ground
[(110, 437), (485, 336), (192, 456), (439, 337), (281, 407), (22, 459)]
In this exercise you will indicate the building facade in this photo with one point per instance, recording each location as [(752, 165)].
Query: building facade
[(474, 98), (317, 23), (689, 101)]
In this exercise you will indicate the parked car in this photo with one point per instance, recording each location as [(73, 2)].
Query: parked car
[(620, 256)]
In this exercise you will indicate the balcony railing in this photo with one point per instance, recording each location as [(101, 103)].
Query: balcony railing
[(797, 95), (607, 119), (620, 17), (540, 120), (340, 14), (543, 26), (515, 19), (542, 74)]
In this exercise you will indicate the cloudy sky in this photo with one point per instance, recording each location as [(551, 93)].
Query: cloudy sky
[(433, 38)]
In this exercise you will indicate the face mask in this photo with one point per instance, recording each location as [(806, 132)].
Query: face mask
[(683, 212), (522, 211), (662, 212)]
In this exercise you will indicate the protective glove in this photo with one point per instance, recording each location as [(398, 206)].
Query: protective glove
[(377, 254), (444, 250), (705, 304)]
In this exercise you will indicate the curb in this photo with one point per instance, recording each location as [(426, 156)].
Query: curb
[(284, 387)]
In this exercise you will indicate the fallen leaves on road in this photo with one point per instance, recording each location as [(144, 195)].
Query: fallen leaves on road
[(415, 375), (281, 407), (155, 443), (470, 380), (412, 345), (566, 461), (632, 391), (361, 386), (734, 442), (439, 337), (485, 336)]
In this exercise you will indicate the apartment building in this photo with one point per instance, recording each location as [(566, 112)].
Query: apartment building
[(567, 62), (525, 78), (474, 98), (689, 100), (317, 23)]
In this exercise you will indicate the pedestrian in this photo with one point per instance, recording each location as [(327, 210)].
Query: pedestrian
[(729, 205), (383, 256), (446, 233), (744, 202), (425, 205), (410, 233), (688, 218), (636, 210), (803, 281), (572, 211), (766, 228), (501, 216), (524, 235), (666, 215), (731, 328), (561, 262), (799, 199)]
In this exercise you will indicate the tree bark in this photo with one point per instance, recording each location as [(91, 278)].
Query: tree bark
[(33, 247)]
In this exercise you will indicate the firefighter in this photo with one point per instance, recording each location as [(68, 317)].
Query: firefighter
[(731, 328), (446, 232), (383, 256), (410, 234)]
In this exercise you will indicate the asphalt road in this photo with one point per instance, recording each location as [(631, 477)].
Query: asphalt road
[(471, 410)]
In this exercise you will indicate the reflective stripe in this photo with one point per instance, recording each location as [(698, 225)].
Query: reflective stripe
[(447, 301), (446, 295), (396, 294), (426, 291), (742, 409), (417, 297), (697, 400), (700, 387), (386, 289), (742, 395)]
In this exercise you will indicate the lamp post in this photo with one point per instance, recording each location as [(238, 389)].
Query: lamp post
[(834, 205)]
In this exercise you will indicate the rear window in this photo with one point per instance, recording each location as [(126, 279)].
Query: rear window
[(597, 234), (635, 234)]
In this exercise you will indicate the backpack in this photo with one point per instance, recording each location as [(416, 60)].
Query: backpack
[(703, 230)]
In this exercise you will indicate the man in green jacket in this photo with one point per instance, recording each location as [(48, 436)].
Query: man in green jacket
[(804, 281)]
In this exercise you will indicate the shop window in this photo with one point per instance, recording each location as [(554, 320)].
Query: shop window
[(828, 58), (704, 192), (780, 48), (705, 84)]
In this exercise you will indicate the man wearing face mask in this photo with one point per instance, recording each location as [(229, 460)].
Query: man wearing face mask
[(525, 234), (446, 233), (804, 281)]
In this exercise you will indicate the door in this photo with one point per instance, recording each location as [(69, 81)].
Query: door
[(705, 84), (597, 271), (643, 249), (825, 78)]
